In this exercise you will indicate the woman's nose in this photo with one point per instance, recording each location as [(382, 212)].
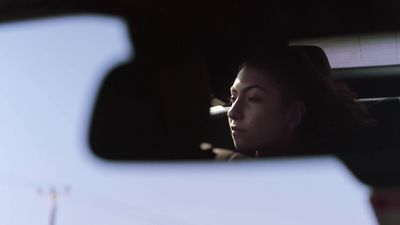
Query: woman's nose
[(235, 112)]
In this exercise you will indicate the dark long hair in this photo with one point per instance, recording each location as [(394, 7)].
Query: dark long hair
[(332, 115)]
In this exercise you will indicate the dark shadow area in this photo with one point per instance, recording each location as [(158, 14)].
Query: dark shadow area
[(151, 113)]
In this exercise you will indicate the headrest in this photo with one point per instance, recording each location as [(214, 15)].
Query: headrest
[(317, 56), (374, 159), (386, 134)]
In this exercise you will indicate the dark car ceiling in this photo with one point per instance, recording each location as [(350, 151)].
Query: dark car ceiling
[(220, 31), (227, 22), (294, 18)]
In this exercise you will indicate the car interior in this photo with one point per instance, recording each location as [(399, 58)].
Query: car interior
[(158, 105), (186, 48)]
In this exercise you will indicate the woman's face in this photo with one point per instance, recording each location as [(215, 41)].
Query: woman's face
[(258, 118)]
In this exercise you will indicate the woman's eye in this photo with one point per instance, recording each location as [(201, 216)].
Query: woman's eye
[(232, 99), (254, 99)]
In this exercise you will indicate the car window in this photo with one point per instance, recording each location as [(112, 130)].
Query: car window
[(361, 50), (51, 70)]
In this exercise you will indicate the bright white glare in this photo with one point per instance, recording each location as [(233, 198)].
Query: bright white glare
[(214, 110), (50, 72)]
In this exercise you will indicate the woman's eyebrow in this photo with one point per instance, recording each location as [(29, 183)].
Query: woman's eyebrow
[(245, 89)]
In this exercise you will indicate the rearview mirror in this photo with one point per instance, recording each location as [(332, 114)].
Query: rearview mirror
[(158, 109)]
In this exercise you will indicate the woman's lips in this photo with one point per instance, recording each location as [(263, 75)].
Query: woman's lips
[(235, 130)]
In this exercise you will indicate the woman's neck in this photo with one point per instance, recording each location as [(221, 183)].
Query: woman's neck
[(284, 148)]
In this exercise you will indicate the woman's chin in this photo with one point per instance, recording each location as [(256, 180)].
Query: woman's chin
[(246, 150)]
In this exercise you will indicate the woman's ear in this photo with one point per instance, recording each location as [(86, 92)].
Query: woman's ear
[(296, 114)]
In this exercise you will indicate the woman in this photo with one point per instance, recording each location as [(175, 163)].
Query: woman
[(281, 105)]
